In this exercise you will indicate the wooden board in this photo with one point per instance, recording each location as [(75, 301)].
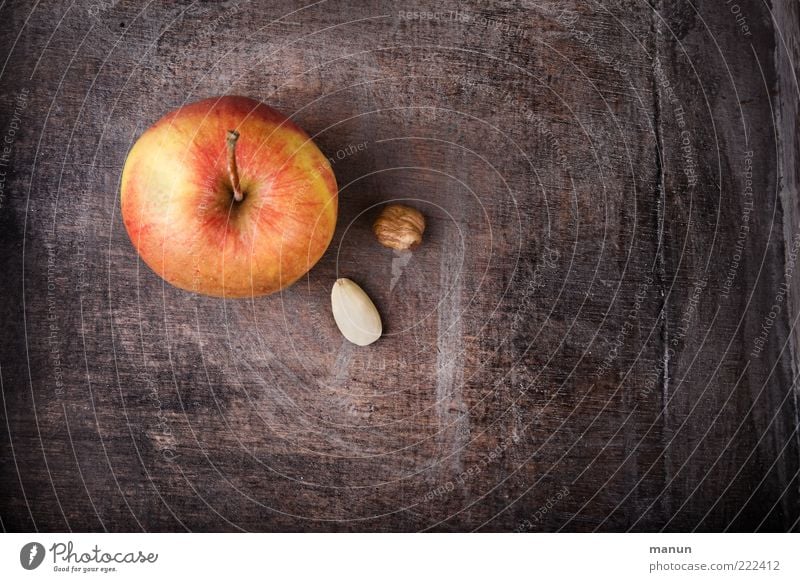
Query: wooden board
[(596, 335)]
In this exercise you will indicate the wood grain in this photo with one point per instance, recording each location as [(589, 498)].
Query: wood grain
[(578, 345)]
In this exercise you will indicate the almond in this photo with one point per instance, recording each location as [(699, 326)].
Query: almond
[(355, 313)]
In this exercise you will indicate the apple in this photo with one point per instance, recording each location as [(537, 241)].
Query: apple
[(228, 197)]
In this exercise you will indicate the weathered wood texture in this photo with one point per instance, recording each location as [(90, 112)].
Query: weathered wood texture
[(575, 346)]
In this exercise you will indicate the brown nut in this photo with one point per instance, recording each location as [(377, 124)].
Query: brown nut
[(399, 227)]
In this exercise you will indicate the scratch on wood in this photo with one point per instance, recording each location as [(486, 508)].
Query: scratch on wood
[(661, 273), (341, 372), (787, 53), (451, 412)]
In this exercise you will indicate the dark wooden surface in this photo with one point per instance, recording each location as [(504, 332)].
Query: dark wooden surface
[(572, 347)]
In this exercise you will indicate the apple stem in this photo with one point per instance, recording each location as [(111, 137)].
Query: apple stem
[(233, 171)]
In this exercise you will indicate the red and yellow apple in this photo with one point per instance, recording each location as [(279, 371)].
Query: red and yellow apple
[(227, 197)]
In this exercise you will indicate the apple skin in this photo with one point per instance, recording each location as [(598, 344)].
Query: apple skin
[(178, 207)]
